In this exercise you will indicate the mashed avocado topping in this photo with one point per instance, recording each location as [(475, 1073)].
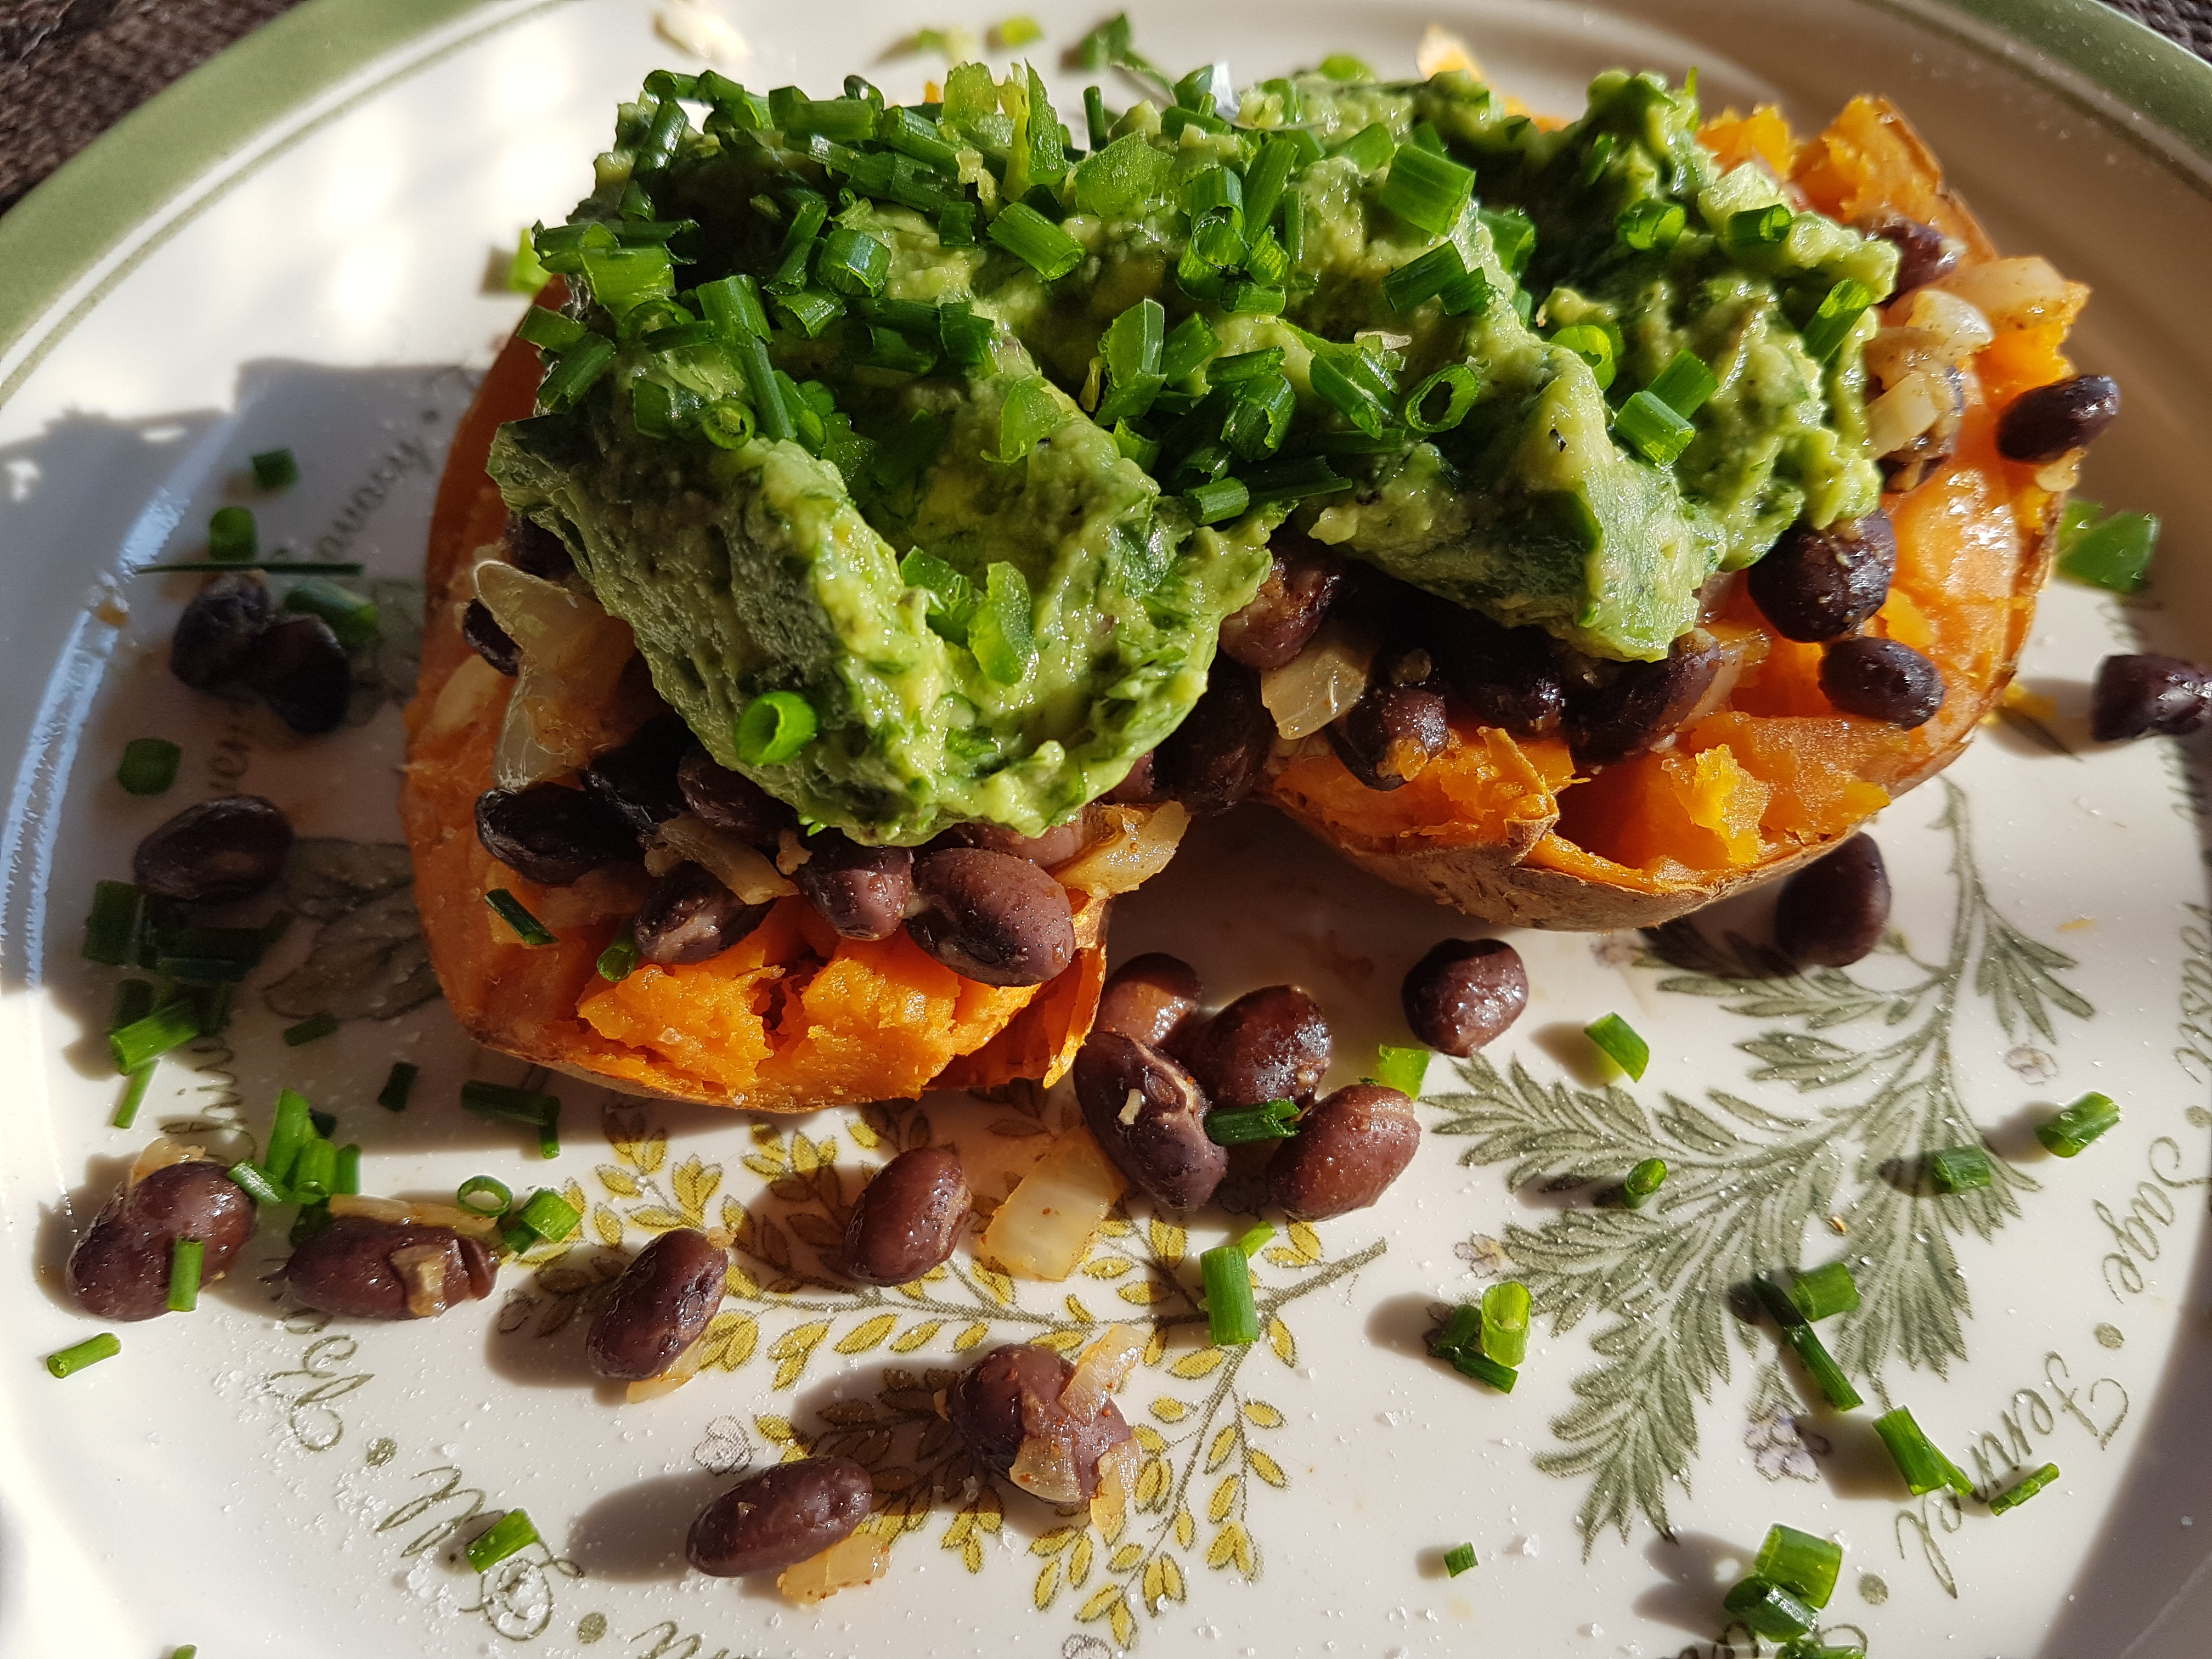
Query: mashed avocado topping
[(971, 440)]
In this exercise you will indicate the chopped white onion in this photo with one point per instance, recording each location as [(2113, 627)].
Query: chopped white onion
[(158, 1154), (572, 654), (1045, 1224), (2011, 293), (1959, 328), (859, 1557), (1904, 413), (681, 1369), (1103, 1367), (467, 1222), (1321, 682), (422, 1268), (746, 871), (1117, 1479), (1134, 845), (1045, 1468)]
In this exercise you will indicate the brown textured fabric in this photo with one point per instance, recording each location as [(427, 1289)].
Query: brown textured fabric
[(2189, 22)]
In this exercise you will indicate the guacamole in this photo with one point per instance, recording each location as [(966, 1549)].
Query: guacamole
[(924, 454)]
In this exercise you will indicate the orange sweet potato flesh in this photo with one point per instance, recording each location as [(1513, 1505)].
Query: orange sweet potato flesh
[(1777, 776), (789, 1019)]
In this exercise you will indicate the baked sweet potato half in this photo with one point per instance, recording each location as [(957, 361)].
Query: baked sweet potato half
[(1767, 772)]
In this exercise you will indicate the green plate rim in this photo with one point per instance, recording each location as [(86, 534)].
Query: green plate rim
[(63, 228)]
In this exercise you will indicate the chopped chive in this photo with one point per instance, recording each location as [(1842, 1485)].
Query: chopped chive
[(1642, 1181), (1653, 429), (732, 305), (1423, 277), (233, 537), (549, 1215), (1824, 1292), (1924, 1468), (142, 1042), (1506, 1323), (1806, 1342), (517, 1240), (1099, 129), (1230, 1317), (352, 616), (775, 726), (1462, 1330), (2072, 1129), (1482, 1368), (554, 330), (1758, 227), (1277, 1119), (1460, 386), (1427, 189), (1960, 1169), (1767, 1609), (134, 1000), (1254, 1239), (527, 928), (90, 1352), (1368, 148), (1036, 241), (510, 1105), (113, 922), (185, 1257), (1593, 345), (289, 1131), (853, 262), (255, 1180), (1650, 225), (1221, 500), (575, 372), (2113, 552), (150, 766), (1685, 384), (1513, 234), (484, 1195), (1617, 1041), (549, 1135), (1832, 321), (307, 1030), (348, 1179), (1460, 1558), (1403, 1069), (134, 1097), (398, 1084), (619, 960), (315, 1173), (268, 566), (276, 469), (1263, 183), (510, 1533), (190, 1651), (2013, 1497), (1802, 1564)]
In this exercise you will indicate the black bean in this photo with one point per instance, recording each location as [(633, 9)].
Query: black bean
[(1140, 785), (2138, 696), (1816, 585), (552, 834), (1013, 1392), (1507, 677), (216, 634), (1390, 735), (659, 1305), (731, 802), (1834, 910), (302, 673), (638, 778), (536, 550), (488, 640), (789, 1514), (1148, 998), (1213, 760), (691, 916), (349, 1267), (994, 918), (909, 1218), (2047, 422), (1638, 704), (1054, 846), (1924, 254), (120, 1269), (1289, 609), (1269, 1044), (1881, 679), (861, 892), (1347, 1150), (215, 853), (1464, 994), (1150, 1118)]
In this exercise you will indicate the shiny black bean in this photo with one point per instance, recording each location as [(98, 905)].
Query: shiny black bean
[(488, 640), (658, 1306), (216, 634), (1392, 733), (120, 1268), (536, 550), (552, 834), (1835, 909), (2046, 421), (1014, 1391), (215, 853), (1150, 1118), (777, 1519), (1924, 254), (1055, 847), (731, 801), (861, 892), (1289, 609), (1269, 1044), (638, 778), (909, 1218), (1882, 680), (1464, 994), (691, 916), (1822, 584), (1640, 703), (2139, 696), (994, 918), (365, 1268), (302, 673), (1347, 1149), (1215, 757), (1148, 998), (1139, 787), (1507, 677)]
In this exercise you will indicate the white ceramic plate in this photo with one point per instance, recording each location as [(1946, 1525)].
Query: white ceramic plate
[(291, 249)]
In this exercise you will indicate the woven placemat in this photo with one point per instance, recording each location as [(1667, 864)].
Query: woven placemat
[(71, 68)]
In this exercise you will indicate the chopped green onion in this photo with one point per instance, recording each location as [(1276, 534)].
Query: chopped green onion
[(256, 1183), (528, 928), (1483, 1369), (575, 372), (1343, 66), (1619, 1043), (398, 1084), (1277, 1119), (553, 330), (549, 1215), (134, 1000), (732, 305), (1767, 1609), (1403, 1069), (1653, 429), (1230, 1315), (1211, 188), (1802, 1564), (889, 348), (510, 1105), (761, 384), (1255, 1238), (853, 262), (277, 469), (1221, 500), (108, 931), (2081, 1123), (1016, 32), (1462, 1330), (510, 1533), (1030, 415), (1460, 387), (1369, 148), (1505, 1323), (2013, 1497), (549, 1135), (727, 423), (1648, 225), (775, 726), (134, 1097), (308, 1030), (1758, 227), (965, 336), (1099, 129), (1685, 384), (809, 313), (1593, 345), (1263, 182), (1293, 480), (1427, 189), (1425, 278), (90, 1352), (233, 537), (1811, 1351), (1513, 234), (185, 1256), (150, 766), (1188, 348), (1831, 322), (143, 1041), (1960, 1169), (1133, 342), (315, 1175), (1824, 1292), (484, 1195), (1001, 632), (619, 960), (2113, 552), (1818, 1651), (956, 224), (1459, 1558), (525, 273), (1642, 1181), (1924, 1468), (1036, 241), (348, 1180), (1340, 378), (1260, 419), (190, 1651)]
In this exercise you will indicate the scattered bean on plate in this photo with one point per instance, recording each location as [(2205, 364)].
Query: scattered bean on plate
[(218, 632), (659, 1307), (1463, 993), (1149, 997), (1148, 1116), (302, 673), (1833, 911), (907, 1218), (2144, 695), (120, 1268), (1269, 1044), (215, 853), (1013, 1392), (780, 1517), (1347, 1149), (366, 1269)]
